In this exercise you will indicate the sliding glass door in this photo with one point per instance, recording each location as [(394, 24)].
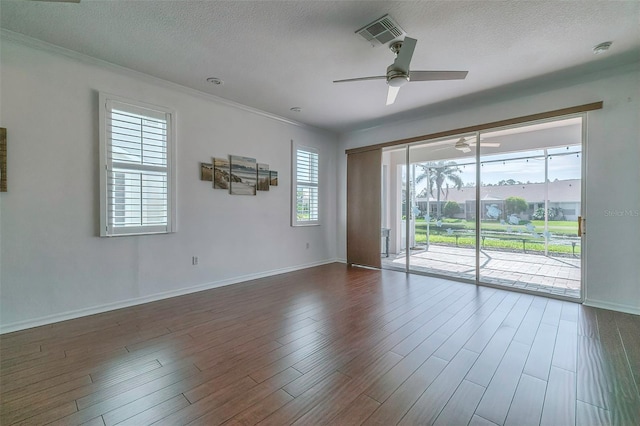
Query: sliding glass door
[(499, 207), (442, 205), (531, 197)]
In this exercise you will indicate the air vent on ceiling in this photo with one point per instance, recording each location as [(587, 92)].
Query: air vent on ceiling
[(381, 31)]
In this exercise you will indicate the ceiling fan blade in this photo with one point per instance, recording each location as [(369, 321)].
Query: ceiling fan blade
[(405, 54), (391, 94), (437, 75), (377, 77)]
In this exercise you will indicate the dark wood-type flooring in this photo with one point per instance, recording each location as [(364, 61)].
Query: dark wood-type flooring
[(330, 345)]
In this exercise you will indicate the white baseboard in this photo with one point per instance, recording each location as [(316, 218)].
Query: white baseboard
[(635, 310), (50, 319)]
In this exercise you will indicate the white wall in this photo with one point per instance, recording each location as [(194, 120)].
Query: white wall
[(612, 173), (53, 265)]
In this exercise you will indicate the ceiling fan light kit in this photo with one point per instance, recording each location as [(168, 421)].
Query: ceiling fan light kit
[(462, 145), (396, 79)]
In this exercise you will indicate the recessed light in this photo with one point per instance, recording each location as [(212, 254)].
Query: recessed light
[(215, 80), (602, 47), (296, 109)]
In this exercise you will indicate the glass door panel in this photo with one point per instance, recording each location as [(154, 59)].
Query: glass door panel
[(508, 238), (521, 245), (393, 226), (442, 203), (564, 207)]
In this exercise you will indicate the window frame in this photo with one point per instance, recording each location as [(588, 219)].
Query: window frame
[(294, 185), (108, 229)]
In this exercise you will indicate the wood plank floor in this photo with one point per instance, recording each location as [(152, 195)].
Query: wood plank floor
[(330, 345)]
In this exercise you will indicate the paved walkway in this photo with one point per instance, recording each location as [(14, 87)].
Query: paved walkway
[(556, 275)]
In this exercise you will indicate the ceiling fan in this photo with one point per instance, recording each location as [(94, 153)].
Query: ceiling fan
[(398, 73), (464, 146)]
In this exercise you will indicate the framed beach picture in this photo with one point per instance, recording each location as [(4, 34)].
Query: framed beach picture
[(263, 177), (206, 171), (243, 175), (273, 178), (220, 173)]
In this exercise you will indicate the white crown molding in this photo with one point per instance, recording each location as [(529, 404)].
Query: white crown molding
[(90, 60), (78, 313)]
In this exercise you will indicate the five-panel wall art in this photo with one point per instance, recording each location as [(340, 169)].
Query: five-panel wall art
[(239, 175)]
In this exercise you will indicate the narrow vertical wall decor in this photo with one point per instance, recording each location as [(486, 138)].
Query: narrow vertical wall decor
[(206, 171), (221, 173), (263, 177)]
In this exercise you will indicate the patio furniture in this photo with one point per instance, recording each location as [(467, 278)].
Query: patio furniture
[(385, 234)]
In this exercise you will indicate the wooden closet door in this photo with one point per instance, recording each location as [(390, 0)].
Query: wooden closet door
[(363, 208)]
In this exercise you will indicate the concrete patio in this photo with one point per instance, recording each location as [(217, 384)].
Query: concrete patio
[(545, 274)]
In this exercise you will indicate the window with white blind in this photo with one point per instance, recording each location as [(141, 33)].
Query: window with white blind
[(136, 159), (305, 201)]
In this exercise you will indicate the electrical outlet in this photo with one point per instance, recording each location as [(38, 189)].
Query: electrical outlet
[(194, 260), (307, 245)]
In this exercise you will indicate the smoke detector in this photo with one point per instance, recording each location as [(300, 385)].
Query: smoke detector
[(602, 47), (215, 80), (382, 31)]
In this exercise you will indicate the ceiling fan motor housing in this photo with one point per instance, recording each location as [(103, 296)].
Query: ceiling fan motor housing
[(396, 78)]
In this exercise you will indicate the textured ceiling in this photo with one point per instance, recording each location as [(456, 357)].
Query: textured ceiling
[(273, 55)]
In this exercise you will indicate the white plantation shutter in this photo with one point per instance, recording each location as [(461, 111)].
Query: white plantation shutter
[(136, 153), (306, 180)]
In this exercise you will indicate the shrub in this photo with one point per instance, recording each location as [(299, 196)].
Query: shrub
[(554, 213), (515, 205), (451, 208)]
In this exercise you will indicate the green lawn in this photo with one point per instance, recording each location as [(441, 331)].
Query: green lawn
[(565, 228), (505, 237), (531, 246)]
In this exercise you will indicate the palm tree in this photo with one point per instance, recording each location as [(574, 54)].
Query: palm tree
[(440, 174)]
